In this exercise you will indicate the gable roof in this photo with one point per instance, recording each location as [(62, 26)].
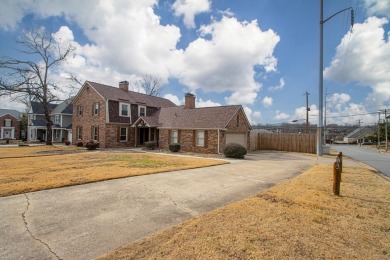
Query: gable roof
[(11, 112), (117, 94), (64, 107), (197, 118), (150, 121), (37, 107)]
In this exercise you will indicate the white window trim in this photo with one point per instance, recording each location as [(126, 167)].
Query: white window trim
[(128, 109), (120, 134), (10, 122), (139, 110), (197, 138), (55, 119), (172, 136), (96, 110), (79, 133)]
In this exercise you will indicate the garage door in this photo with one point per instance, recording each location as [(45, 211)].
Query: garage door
[(236, 138)]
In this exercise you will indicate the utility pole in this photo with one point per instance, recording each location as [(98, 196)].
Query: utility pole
[(321, 71), (326, 94), (307, 111), (360, 122), (386, 130), (379, 129)]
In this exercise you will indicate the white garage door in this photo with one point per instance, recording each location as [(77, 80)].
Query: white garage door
[(236, 138)]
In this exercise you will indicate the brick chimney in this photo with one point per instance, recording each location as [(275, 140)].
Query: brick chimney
[(124, 85), (189, 101)]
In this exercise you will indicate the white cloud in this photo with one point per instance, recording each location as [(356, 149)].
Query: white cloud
[(224, 56), (300, 114), (253, 116), (173, 98), (206, 103), (267, 101), (278, 87), (378, 7), (364, 57), (281, 116), (189, 8)]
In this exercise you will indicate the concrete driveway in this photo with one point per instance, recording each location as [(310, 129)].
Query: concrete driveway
[(87, 221)]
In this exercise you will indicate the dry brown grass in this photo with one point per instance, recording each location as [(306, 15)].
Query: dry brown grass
[(299, 219), (33, 151), (26, 174)]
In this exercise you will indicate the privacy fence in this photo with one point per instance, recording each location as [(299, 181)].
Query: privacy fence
[(301, 143)]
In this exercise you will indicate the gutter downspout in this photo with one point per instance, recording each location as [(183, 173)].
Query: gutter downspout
[(218, 141)]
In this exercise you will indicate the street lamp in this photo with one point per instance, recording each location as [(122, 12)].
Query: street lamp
[(321, 77)]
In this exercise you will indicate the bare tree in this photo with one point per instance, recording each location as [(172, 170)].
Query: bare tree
[(151, 84), (30, 78)]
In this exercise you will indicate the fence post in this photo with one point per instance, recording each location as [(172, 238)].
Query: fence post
[(341, 161), (336, 179)]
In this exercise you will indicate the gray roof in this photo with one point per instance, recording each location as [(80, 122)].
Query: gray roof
[(117, 94), (11, 112), (64, 107), (37, 108), (197, 118), (39, 123)]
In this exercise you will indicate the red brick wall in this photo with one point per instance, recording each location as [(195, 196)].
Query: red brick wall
[(112, 136), (187, 140), (14, 123), (87, 97)]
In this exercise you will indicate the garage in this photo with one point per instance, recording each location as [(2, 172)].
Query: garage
[(236, 138)]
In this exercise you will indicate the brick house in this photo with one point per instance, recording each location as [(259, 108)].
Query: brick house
[(117, 117), (9, 124)]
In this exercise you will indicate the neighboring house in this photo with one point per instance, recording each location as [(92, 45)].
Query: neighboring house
[(117, 117), (358, 135), (9, 124), (61, 116)]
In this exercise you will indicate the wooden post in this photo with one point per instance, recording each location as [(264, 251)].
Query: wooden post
[(336, 179), (341, 161)]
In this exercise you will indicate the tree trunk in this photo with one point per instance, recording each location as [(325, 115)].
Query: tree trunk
[(49, 132)]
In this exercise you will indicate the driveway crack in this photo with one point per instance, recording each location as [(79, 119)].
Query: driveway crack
[(189, 211), (29, 231)]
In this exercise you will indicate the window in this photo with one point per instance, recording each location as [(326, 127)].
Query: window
[(174, 136), (80, 110), (96, 108), (200, 138), (123, 134), (79, 133), (124, 109), (8, 123), (95, 133), (141, 111), (238, 120), (57, 119)]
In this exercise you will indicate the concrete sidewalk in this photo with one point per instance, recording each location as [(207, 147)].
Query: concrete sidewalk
[(86, 221)]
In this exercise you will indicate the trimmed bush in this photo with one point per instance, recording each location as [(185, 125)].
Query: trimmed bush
[(233, 150), (80, 144), (150, 145), (91, 145), (67, 142), (174, 147)]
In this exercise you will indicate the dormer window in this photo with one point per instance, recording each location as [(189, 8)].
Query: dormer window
[(141, 110), (57, 119), (124, 109)]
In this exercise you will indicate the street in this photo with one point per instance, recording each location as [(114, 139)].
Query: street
[(379, 161)]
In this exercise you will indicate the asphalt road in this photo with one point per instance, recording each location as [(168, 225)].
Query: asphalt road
[(375, 159), (87, 221)]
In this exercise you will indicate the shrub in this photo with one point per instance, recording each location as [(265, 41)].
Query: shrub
[(80, 144), (92, 145), (233, 150), (67, 142), (150, 145), (174, 147)]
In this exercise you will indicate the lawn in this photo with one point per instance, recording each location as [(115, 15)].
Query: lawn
[(32, 171), (299, 219)]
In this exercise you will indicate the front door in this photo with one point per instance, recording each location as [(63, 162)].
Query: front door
[(7, 134)]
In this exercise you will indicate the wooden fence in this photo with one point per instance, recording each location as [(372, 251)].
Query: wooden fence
[(301, 143)]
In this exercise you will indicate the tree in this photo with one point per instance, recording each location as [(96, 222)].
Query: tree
[(151, 84), (31, 78)]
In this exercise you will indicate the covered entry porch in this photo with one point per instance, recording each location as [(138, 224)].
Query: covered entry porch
[(145, 132)]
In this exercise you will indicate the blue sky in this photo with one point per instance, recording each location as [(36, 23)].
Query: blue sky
[(261, 54)]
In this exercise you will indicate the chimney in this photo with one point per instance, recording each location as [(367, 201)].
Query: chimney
[(189, 101), (124, 85)]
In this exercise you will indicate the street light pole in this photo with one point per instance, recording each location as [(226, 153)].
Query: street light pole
[(321, 76), (320, 87)]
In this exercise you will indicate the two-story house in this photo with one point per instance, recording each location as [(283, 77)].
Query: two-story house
[(9, 124), (117, 117), (60, 115)]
